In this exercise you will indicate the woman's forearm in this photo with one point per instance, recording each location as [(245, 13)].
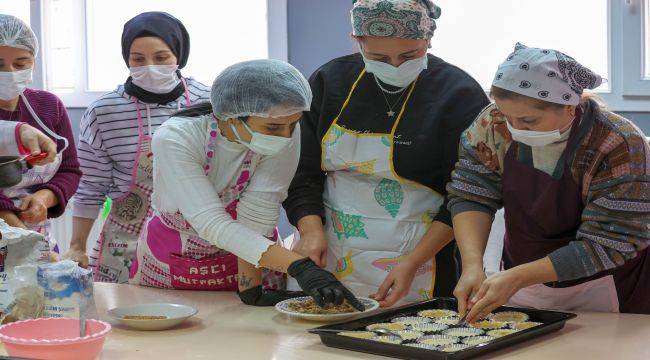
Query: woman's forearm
[(471, 230), (437, 237)]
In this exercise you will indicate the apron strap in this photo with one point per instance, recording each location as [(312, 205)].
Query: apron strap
[(139, 116)]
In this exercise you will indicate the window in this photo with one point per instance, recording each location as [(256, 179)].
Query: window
[(81, 38), (477, 35), (17, 8), (221, 33), (646, 34), (612, 37)]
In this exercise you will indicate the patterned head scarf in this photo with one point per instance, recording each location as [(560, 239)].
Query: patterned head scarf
[(406, 19), (544, 74)]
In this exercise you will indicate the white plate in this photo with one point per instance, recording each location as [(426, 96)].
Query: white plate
[(175, 313), (283, 307)]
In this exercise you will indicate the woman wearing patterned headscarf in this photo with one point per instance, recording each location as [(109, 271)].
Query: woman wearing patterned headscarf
[(378, 147), (573, 179)]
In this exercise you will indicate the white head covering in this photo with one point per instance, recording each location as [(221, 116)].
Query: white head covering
[(264, 88), (15, 33), (545, 74)]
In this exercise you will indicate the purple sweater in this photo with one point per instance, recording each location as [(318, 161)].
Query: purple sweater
[(53, 114)]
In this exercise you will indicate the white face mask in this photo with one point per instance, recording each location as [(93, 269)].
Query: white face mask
[(13, 83), (261, 143), (537, 138), (158, 79), (399, 76)]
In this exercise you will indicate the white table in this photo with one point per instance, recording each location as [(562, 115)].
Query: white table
[(226, 329)]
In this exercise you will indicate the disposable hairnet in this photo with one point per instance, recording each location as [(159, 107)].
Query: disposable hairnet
[(15, 33), (264, 88)]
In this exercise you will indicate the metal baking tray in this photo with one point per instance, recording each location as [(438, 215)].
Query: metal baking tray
[(552, 321)]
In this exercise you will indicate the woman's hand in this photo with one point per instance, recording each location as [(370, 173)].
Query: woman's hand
[(36, 142), (321, 284), (34, 207), (499, 288), (468, 285), (12, 219), (313, 240), (78, 255), (494, 292), (314, 245), (397, 283)]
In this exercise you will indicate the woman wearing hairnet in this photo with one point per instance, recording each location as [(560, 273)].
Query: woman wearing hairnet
[(114, 144), (573, 179), (44, 190), (221, 172), (378, 147)]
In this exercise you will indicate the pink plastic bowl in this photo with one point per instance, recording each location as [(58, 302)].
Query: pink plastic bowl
[(54, 338)]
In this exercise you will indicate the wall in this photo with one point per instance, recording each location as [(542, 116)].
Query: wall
[(318, 31)]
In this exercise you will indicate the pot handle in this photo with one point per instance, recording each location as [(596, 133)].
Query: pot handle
[(31, 159)]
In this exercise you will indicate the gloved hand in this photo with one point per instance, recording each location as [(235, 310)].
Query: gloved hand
[(256, 296), (321, 284)]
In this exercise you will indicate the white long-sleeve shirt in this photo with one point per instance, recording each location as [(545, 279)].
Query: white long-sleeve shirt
[(8, 141), (181, 184)]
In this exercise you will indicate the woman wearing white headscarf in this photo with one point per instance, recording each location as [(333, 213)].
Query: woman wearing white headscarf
[(573, 179), (378, 147), (221, 171)]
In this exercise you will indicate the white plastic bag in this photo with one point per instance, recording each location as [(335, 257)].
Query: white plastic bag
[(17, 247), (68, 290), (29, 301)]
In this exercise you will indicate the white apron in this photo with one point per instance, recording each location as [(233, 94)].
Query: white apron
[(373, 217), (35, 176)]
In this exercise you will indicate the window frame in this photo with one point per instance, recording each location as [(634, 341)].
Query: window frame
[(629, 88), (81, 97)]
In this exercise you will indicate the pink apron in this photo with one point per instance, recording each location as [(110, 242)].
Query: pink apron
[(171, 255), (113, 253)]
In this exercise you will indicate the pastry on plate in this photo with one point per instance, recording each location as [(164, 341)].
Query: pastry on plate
[(489, 324), (509, 316), (422, 346), (311, 307), (438, 340), (454, 347), (388, 326), (525, 325), (410, 320), (449, 321), (463, 332), (387, 339), (475, 340), (437, 313), (358, 334), (409, 334), (429, 327), (501, 332)]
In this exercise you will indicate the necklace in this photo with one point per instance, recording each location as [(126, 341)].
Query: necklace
[(390, 111), (392, 92)]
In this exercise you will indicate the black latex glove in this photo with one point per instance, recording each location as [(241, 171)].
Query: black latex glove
[(256, 296), (321, 284)]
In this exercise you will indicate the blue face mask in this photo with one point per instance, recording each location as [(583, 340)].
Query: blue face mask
[(399, 76)]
